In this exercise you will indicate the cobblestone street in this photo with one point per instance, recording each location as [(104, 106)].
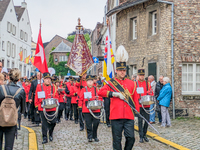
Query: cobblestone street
[(68, 137)]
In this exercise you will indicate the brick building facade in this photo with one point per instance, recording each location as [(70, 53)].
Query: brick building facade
[(144, 28)]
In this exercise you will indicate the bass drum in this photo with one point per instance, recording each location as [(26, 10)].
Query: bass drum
[(95, 105), (50, 103)]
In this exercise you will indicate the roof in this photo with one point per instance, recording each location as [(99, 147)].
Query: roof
[(124, 6), (3, 7), (62, 47), (45, 44), (19, 12)]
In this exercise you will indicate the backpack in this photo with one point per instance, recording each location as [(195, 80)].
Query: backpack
[(8, 110)]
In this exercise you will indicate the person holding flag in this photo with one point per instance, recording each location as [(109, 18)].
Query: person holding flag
[(121, 114)]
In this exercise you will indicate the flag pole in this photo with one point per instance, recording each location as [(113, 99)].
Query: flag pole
[(40, 71), (107, 22)]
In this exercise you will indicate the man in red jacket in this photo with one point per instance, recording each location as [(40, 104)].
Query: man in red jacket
[(26, 87), (145, 89), (91, 122), (121, 114), (45, 91)]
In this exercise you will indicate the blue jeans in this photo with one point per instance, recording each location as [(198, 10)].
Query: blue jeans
[(152, 115)]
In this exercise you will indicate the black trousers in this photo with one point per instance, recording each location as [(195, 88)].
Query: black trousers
[(61, 108), (32, 112), (9, 133), (91, 125), (143, 126), (69, 109), (81, 119), (27, 112), (75, 110), (47, 125), (107, 109), (117, 128)]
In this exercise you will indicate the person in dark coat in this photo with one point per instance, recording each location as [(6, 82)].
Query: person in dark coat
[(19, 99), (35, 117)]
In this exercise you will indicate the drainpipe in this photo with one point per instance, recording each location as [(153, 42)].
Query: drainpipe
[(172, 50)]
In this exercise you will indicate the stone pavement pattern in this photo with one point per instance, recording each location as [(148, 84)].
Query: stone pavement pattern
[(68, 137), (185, 132)]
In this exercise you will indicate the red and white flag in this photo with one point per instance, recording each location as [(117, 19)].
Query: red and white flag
[(40, 59)]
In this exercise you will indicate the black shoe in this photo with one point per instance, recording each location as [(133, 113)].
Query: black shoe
[(19, 128), (50, 138), (141, 140), (146, 139), (33, 122), (44, 141), (57, 121), (66, 119), (81, 129), (89, 140), (96, 140), (71, 119), (108, 125), (29, 119), (76, 121), (24, 117)]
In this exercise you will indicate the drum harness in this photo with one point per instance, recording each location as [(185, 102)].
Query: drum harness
[(102, 109), (147, 111), (44, 110)]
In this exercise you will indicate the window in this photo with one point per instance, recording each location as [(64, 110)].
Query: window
[(24, 71), (191, 78), (25, 37), (134, 28), (3, 45), (24, 53), (14, 30), (20, 67), (21, 34), (8, 48), (13, 52), (8, 26), (66, 58), (13, 64), (60, 58), (154, 23), (8, 63)]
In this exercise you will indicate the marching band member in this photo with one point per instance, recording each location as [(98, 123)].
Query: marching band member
[(95, 80), (91, 122), (73, 93), (27, 89), (141, 83), (121, 114), (69, 105), (45, 91), (61, 96)]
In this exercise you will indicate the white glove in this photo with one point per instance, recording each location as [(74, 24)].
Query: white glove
[(117, 94)]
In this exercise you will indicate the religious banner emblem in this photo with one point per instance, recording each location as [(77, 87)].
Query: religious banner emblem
[(80, 58)]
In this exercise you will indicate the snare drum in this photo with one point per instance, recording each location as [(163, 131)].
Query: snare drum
[(50, 103), (95, 104), (147, 100)]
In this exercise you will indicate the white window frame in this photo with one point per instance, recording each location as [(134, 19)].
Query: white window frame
[(3, 46), (8, 26), (13, 50), (8, 48), (134, 28), (21, 34), (154, 25), (8, 63), (60, 58), (14, 30), (194, 82)]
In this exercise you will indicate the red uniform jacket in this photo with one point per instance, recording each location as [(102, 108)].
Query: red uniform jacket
[(78, 85), (26, 89), (143, 84), (83, 102), (47, 90), (68, 84), (61, 95), (118, 108), (73, 91)]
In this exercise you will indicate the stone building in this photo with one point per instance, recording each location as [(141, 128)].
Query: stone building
[(55, 41), (61, 53), (144, 28), (96, 48)]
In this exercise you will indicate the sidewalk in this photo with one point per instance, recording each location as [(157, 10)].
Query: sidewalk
[(184, 132)]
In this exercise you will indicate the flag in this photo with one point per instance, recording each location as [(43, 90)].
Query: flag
[(80, 58), (21, 56), (26, 60), (32, 60), (109, 58), (40, 59)]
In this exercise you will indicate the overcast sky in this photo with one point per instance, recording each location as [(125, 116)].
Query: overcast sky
[(60, 16)]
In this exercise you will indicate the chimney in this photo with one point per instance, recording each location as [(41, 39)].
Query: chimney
[(24, 4)]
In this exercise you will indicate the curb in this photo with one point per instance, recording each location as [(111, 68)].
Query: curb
[(162, 140), (31, 138)]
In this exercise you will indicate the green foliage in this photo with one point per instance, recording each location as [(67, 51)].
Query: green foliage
[(87, 37), (71, 38), (60, 68)]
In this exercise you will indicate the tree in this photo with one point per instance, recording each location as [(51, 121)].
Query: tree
[(71, 38)]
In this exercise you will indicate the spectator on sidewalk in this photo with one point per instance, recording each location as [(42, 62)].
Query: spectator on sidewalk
[(159, 86), (164, 99), (134, 76), (1, 79), (152, 112)]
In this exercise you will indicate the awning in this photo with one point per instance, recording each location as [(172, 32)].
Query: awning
[(124, 6)]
